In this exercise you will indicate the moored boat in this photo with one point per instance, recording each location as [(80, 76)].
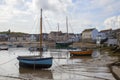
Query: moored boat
[(36, 61), (63, 44), (19, 45), (37, 49), (3, 47), (81, 53)]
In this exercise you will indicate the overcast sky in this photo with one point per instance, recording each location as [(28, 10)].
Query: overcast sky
[(23, 15)]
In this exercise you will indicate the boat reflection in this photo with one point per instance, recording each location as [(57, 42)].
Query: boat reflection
[(96, 53), (80, 57), (36, 73)]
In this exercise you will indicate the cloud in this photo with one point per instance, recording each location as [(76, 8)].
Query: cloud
[(50, 5), (81, 14), (112, 22)]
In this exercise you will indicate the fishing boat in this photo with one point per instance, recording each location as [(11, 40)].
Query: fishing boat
[(19, 45), (3, 47), (36, 61), (37, 48), (64, 44), (81, 52)]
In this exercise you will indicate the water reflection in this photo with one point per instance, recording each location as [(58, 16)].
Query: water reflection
[(36, 73), (64, 67), (81, 57), (96, 53)]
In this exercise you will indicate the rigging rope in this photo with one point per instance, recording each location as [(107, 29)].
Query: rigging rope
[(7, 61), (45, 18)]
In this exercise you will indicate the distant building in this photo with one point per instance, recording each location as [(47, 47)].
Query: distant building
[(106, 33), (12, 38), (3, 37), (110, 37), (18, 38), (111, 42), (116, 35), (45, 36), (54, 36), (89, 35), (73, 37), (59, 36), (32, 37)]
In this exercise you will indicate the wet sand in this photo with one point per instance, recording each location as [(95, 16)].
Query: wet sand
[(50, 44), (64, 67)]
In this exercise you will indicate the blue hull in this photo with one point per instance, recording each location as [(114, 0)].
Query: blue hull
[(34, 61)]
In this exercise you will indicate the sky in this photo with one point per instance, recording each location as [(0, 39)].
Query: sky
[(24, 15)]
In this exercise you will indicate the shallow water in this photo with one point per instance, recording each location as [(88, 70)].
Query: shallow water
[(64, 67)]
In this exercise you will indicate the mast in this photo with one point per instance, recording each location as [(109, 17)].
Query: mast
[(41, 33), (58, 27), (58, 33), (67, 26)]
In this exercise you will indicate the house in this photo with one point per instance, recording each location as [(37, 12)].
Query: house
[(68, 36), (116, 35), (105, 33), (59, 36), (53, 36), (74, 37), (105, 36), (110, 37), (12, 38), (45, 36), (27, 38), (111, 42), (32, 37), (89, 35), (3, 37)]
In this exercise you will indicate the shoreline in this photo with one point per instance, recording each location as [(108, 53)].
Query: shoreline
[(49, 43), (115, 69)]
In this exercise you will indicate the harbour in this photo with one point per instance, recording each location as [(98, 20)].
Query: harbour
[(94, 67), (59, 40)]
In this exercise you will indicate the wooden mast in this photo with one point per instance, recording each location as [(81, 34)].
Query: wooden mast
[(41, 34), (67, 26), (58, 27), (58, 33)]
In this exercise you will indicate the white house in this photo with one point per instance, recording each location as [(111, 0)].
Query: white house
[(32, 37), (75, 37), (89, 34), (112, 42)]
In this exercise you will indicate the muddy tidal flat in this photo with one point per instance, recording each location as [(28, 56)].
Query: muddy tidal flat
[(64, 67)]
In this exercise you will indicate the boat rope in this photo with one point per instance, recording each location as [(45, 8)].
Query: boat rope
[(7, 61), (47, 21), (22, 78)]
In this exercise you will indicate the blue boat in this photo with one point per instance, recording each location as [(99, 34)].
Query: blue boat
[(36, 61)]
